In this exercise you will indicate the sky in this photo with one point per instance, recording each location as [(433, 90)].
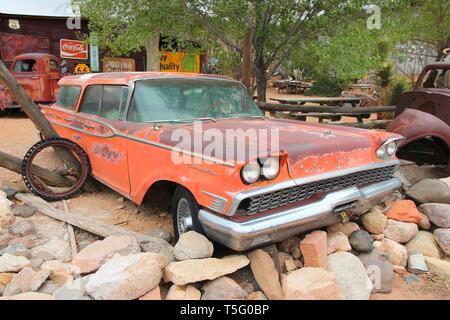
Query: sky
[(48, 8)]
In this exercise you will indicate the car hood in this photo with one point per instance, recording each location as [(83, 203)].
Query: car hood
[(310, 148)]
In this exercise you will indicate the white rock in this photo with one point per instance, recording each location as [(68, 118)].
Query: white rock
[(94, 255), (187, 292), (438, 213), (399, 231), (397, 253), (416, 263), (194, 270), (55, 246), (10, 263), (424, 243), (223, 288), (337, 241), (126, 277), (351, 276)]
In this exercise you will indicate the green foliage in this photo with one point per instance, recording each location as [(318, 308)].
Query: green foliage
[(385, 75), (325, 87)]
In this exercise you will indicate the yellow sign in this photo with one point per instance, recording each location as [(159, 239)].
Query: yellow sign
[(119, 65), (81, 68), (179, 62)]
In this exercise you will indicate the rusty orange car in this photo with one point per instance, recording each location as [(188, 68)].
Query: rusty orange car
[(38, 74), (308, 176)]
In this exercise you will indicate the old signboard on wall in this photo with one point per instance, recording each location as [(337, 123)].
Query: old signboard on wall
[(179, 62), (73, 49), (118, 65)]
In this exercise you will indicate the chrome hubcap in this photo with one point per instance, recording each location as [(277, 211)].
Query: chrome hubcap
[(184, 216)]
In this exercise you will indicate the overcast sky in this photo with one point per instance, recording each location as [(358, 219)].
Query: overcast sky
[(48, 8)]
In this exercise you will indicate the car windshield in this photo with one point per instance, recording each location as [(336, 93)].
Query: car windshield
[(181, 100)]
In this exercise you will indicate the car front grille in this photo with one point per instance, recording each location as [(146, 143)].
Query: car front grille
[(276, 199)]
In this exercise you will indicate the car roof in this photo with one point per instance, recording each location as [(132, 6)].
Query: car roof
[(36, 55), (125, 77)]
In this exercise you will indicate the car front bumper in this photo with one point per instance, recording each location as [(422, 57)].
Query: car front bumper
[(281, 225)]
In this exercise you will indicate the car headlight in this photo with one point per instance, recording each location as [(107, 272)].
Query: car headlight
[(270, 167), (251, 171), (388, 149)]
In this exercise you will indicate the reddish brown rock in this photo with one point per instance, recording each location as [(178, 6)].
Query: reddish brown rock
[(266, 274), (154, 294), (405, 211), (314, 249)]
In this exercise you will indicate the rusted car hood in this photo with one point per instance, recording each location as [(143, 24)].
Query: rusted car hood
[(311, 148)]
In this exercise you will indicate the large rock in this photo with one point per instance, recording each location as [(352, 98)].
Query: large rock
[(126, 277), (337, 241), (292, 246), (22, 228), (439, 267), (438, 213), (442, 237), (425, 244), (26, 280), (314, 249), (361, 240), (193, 245), (310, 284), (61, 273), (10, 263), (265, 273), (94, 255), (346, 228), (6, 216), (379, 269), (374, 221), (351, 276), (397, 253), (72, 290), (194, 270), (56, 246), (424, 222), (187, 292), (154, 294), (29, 296), (400, 232), (223, 288), (16, 250), (428, 191)]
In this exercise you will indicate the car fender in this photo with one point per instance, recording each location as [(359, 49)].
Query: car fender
[(414, 125)]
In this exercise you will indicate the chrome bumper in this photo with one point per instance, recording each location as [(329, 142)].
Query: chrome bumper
[(281, 225)]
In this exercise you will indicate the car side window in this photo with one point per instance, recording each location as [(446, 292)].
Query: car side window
[(25, 66), (91, 100), (68, 97), (114, 99), (54, 65)]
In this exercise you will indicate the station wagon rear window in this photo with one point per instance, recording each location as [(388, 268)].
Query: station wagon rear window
[(68, 97), (169, 100), (107, 101)]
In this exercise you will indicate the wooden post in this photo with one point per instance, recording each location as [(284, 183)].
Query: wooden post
[(32, 110)]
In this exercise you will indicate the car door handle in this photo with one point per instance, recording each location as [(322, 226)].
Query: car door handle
[(88, 126)]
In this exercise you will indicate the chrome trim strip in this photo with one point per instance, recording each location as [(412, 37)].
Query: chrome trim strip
[(215, 207), (156, 144), (238, 197), (281, 225)]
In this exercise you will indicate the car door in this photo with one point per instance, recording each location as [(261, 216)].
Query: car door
[(98, 117)]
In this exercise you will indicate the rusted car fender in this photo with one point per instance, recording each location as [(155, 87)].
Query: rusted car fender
[(414, 125)]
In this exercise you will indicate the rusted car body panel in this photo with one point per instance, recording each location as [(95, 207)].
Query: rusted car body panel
[(40, 83), (132, 157), (423, 118)]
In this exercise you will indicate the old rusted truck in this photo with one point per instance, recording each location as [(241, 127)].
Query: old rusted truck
[(241, 178), (38, 73), (423, 117)]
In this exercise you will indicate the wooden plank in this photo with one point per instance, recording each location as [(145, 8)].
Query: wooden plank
[(317, 100), (73, 241), (99, 228), (295, 108)]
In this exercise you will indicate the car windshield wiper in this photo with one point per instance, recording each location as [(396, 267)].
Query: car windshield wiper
[(181, 120), (241, 117)]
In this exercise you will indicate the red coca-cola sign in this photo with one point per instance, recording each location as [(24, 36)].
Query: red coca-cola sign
[(73, 49)]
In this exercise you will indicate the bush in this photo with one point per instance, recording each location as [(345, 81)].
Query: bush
[(325, 87), (397, 87)]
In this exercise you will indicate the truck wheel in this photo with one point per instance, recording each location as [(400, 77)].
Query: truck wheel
[(184, 212)]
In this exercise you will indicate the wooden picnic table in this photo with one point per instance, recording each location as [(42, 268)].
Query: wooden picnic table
[(292, 86), (333, 101)]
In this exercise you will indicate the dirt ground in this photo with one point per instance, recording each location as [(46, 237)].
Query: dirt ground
[(17, 135)]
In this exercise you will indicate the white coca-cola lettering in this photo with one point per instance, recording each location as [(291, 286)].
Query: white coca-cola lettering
[(74, 47)]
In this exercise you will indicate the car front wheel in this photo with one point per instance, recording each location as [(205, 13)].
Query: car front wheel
[(184, 212)]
